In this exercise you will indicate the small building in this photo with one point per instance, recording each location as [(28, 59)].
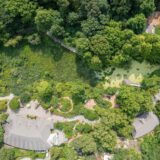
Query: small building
[(25, 133), (144, 124)]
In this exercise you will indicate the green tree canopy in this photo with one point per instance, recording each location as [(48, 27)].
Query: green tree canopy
[(134, 101), (85, 144), (137, 23)]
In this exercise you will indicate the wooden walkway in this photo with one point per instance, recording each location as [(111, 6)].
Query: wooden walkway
[(61, 43)]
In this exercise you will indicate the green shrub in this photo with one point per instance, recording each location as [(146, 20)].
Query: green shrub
[(156, 72), (66, 127), (13, 42), (54, 102), (84, 128), (103, 103), (7, 154), (111, 91), (14, 103), (66, 105), (3, 105), (34, 39), (157, 29), (25, 98), (124, 154), (3, 118), (32, 117), (51, 110), (45, 90), (91, 157), (63, 153), (89, 114), (156, 109), (1, 135)]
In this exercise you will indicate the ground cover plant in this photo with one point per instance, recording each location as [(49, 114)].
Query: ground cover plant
[(66, 127), (66, 105), (27, 64), (135, 73), (14, 103), (157, 30), (3, 105), (16, 154)]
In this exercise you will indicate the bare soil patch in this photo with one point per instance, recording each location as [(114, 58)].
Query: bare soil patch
[(90, 104), (154, 19), (111, 99)]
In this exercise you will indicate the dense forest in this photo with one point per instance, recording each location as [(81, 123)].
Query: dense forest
[(106, 34), (103, 32)]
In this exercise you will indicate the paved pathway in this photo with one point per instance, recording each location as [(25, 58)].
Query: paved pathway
[(7, 97), (41, 113)]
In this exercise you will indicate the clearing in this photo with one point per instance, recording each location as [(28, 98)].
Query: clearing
[(26, 64), (135, 73)]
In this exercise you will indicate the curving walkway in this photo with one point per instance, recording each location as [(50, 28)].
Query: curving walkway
[(37, 110), (7, 97), (71, 102)]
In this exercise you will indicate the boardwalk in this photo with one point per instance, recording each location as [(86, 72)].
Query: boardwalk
[(61, 43)]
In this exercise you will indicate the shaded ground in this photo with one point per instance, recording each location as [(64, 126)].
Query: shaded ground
[(135, 73)]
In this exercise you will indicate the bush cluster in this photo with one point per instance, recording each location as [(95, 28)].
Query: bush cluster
[(25, 98), (14, 103), (83, 128), (66, 105), (3, 105), (89, 114)]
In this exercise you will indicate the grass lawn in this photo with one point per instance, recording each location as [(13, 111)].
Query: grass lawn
[(135, 73), (25, 64)]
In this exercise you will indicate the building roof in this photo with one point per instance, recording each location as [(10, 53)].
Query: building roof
[(144, 124), (25, 133), (128, 82)]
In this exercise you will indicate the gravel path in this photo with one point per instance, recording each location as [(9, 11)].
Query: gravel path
[(7, 97)]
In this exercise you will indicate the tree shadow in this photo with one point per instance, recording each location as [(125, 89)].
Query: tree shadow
[(85, 73)]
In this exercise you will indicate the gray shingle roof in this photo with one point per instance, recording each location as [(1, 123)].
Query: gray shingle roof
[(25, 133), (144, 124)]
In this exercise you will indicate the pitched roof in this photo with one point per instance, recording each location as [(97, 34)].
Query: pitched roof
[(144, 124), (25, 133)]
